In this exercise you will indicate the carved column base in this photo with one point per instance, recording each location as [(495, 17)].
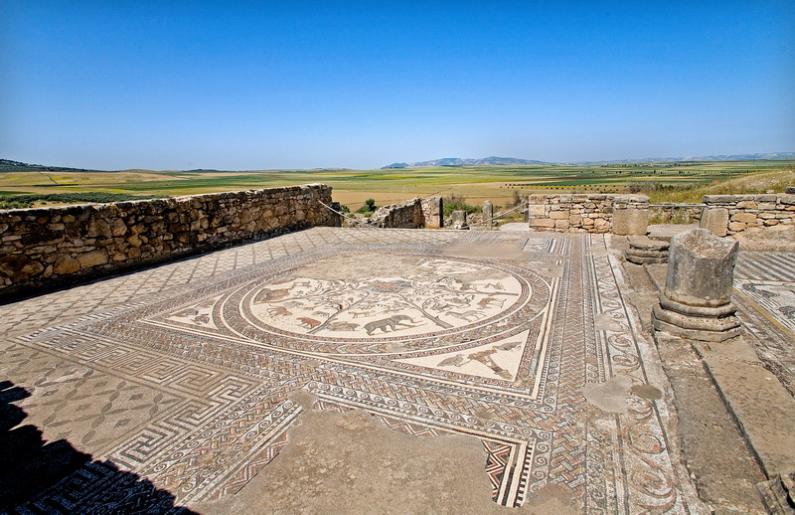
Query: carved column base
[(707, 324), (643, 250)]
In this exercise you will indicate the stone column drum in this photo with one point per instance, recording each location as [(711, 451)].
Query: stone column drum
[(696, 302), (488, 213)]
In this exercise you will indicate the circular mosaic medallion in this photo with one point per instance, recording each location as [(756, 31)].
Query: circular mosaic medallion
[(358, 303)]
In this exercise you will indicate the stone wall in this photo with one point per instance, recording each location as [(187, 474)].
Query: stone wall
[(594, 213), (52, 246), (734, 214), (411, 214)]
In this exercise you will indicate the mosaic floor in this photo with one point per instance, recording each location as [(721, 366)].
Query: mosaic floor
[(181, 374)]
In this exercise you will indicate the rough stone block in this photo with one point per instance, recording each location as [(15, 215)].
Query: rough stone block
[(92, 259), (715, 220), (542, 223), (747, 204), (66, 265), (630, 221), (536, 210), (748, 218)]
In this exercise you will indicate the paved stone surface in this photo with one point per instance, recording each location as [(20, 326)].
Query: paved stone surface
[(765, 295), (182, 375)]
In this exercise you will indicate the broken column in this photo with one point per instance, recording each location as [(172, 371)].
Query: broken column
[(696, 302), (488, 213)]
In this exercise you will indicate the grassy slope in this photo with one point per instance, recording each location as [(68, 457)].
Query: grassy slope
[(762, 182)]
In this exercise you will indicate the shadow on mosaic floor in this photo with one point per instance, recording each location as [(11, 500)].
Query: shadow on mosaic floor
[(37, 475)]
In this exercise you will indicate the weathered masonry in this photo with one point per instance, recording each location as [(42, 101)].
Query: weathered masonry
[(412, 214), (731, 214), (41, 247), (594, 213)]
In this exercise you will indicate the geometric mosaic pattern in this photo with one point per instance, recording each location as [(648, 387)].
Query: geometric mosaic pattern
[(186, 381)]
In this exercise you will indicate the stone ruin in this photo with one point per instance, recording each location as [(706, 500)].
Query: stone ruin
[(696, 301), (594, 213), (488, 213), (458, 219), (416, 213), (644, 250)]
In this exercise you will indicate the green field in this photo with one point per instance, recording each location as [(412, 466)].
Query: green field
[(681, 182)]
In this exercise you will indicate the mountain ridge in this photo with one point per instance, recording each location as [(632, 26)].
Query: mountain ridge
[(494, 160)]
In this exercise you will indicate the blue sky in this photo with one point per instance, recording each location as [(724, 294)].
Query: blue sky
[(234, 85)]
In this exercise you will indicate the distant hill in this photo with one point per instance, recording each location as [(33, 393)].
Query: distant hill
[(494, 160), (458, 161), (771, 156), (7, 165)]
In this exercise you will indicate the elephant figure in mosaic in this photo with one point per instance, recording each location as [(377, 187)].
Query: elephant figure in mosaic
[(389, 324)]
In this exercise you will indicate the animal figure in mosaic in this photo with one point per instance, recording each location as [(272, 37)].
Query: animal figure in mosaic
[(195, 315), (389, 324), (342, 326), (493, 286), (469, 315), (434, 304), (509, 345), (357, 314), (488, 302), (460, 301), (279, 311), (483, 357), (309, 323), (267, 295), (752, 288), (788, 311)]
